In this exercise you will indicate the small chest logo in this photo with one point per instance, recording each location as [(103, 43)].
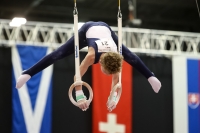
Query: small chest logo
[(106, 45)]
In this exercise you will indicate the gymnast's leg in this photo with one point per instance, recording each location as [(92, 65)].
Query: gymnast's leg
[(63, 51), (133, 59), (137, 63)]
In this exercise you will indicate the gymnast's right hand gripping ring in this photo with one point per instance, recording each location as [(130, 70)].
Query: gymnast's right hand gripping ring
[(89, 89)]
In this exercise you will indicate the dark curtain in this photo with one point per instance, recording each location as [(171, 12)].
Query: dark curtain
[(5, 90), (68, 118), (153, 113)]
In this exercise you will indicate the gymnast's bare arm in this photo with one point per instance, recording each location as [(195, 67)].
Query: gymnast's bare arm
[(115, 79), (87, 61), (112, 104)]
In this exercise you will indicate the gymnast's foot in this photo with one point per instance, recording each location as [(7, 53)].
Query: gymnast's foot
[(155, 83), (22, 80)]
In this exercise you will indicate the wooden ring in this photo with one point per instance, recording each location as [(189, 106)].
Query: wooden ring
[(71, 97)]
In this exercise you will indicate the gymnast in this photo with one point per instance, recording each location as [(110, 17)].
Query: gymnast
[(102, 45)]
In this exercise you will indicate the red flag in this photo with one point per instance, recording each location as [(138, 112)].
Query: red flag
[(120, 119)]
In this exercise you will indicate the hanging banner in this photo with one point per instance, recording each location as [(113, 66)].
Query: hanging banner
[(31, 104), (120, 119), (186, 94)]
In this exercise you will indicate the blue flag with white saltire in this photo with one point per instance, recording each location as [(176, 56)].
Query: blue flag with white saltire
[(31, 104)]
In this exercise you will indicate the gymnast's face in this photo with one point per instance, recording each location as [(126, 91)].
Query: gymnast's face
[(104, 71)]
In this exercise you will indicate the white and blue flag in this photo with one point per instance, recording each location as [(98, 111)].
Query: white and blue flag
[(31, 104), (186, 94)]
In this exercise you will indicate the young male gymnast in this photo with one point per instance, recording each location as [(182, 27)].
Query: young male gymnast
[(102, 45)]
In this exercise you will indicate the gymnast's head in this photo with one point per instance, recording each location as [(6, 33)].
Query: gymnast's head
[(111, 63)]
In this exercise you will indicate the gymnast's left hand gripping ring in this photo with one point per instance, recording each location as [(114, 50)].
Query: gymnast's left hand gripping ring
[(89, 89), (119, 87)]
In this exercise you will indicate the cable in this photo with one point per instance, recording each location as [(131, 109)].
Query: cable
[(198, 7)]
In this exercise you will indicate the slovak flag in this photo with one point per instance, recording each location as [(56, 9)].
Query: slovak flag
[(193, 100), (120, 119), (186, 94)]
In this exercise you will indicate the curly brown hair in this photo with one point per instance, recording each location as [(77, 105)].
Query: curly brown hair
[(112, 62)]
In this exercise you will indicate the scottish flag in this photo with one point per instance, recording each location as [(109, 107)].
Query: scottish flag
[(186, 94), (31, 105)]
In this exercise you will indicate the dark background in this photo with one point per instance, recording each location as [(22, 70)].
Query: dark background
[(66, 117), (5, 90), (152, 113), (178, 15)]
